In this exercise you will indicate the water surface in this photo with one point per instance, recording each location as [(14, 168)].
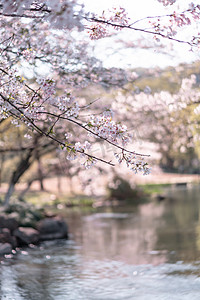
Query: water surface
[(147, 252)]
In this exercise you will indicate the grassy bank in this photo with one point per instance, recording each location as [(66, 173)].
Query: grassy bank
[(153, 188)]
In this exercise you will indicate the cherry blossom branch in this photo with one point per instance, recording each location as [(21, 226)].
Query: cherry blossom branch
[(94, 19), (26, 85), (93, 133), (118, 21), (14, 15), (159, 16), (105, 139), (39, 130), (89, 104)]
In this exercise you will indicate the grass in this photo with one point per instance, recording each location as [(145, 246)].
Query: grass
[(45, 198), (154, 188)]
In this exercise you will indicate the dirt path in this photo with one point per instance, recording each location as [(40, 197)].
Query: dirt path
[(64, 186), (167, 178)]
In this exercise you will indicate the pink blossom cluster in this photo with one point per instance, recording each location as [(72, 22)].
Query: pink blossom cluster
[(97, 31), (116, 19), (28, 54), (133, 163), (167, 2), (180, 19), (89, 162), (47, 88), (59, 13), (106, 128), (71, 109), (82, 146), (194, 10), (32, 103), (119, 16), (79, 150), (12, 89), (169, 27)]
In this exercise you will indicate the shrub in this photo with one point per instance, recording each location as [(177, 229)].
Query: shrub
[(121, 189)]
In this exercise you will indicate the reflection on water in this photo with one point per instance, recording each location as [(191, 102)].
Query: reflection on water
[(149, 252), (129, 237)]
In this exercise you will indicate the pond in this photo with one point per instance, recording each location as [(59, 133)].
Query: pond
[(151, 251)]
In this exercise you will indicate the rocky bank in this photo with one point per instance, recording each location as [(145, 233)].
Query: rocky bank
[(18, 231)]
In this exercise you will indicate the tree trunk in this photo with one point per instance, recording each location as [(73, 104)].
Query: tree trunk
[(1, 168), (23, 165), (9, 194), (40, 172), (21, 196)]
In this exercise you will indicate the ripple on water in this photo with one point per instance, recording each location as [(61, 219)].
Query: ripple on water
[(35, 277)]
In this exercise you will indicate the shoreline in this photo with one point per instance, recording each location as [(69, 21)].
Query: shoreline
[(51, 184)]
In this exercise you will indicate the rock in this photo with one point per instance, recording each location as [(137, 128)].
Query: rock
[(5, 237), (52, 228), (160, 198), (8, 222), (5, 248), (26, 235)]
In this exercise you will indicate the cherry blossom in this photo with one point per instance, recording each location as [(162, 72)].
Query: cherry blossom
[(48, 104), (167, 2)]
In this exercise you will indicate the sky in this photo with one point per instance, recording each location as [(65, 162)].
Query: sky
[(108, 50)]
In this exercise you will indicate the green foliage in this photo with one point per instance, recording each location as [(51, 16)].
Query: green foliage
[(152, 188), (168, 79), (25, 213)]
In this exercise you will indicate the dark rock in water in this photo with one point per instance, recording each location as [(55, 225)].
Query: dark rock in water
[(52, 228), (5, 237), (181, 184), (8, 222), (160, 198), (13, 235), (5, 248), (26, 235)]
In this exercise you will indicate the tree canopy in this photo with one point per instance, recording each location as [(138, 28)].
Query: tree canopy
[(43, 68)]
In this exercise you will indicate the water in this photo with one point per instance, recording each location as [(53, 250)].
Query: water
[(145, 253)]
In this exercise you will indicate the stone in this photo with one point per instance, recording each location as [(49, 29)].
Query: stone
[(52, 228), (5, 248), (8, 222), (26, 235), (160, 198), (6, 237)]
